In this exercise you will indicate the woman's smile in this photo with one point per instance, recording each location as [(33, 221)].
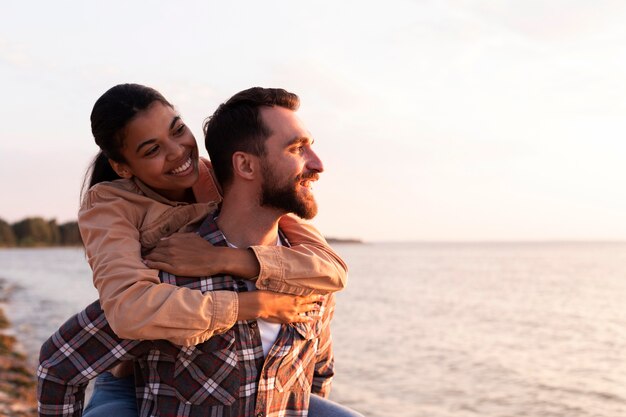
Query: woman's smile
[(184, 169)]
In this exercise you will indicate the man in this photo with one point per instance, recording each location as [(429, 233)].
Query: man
[(263, 159)]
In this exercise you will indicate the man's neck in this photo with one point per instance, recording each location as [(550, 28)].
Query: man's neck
[(245, 223)]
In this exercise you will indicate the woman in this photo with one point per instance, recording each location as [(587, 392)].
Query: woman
[(158, 188)]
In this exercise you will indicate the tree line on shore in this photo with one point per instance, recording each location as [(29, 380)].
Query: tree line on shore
[(36, 231)]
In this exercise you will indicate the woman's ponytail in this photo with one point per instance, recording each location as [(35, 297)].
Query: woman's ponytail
[(99, 170)]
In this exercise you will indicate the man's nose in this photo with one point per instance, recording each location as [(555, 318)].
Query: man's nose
[(314, 162)]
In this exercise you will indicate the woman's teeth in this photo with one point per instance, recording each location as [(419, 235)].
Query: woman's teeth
[(182, 168)]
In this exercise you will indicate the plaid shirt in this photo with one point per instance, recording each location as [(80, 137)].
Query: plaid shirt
[(222, 377)]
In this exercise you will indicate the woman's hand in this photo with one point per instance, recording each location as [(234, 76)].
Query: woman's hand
[(187, 254), (278, 308)]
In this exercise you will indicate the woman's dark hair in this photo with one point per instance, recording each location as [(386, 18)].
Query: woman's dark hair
[(237, 125), (110, 115)]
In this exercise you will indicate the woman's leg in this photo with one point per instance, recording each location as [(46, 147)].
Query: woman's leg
[(112, 397), (321, 407)]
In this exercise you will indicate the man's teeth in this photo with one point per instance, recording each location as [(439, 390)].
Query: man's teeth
[(182, 168)]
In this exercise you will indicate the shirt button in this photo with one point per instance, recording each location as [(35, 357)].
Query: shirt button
[(253, 325), (261, 414)]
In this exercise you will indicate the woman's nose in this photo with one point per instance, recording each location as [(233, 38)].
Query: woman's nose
[(175, 150)]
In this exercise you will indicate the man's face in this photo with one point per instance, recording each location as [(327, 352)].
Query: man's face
[(289, 166)]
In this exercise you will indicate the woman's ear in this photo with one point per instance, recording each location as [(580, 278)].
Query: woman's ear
[(245, 165), (121, 169)]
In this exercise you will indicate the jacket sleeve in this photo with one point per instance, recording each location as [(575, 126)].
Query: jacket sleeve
[(84, 347), (136, 303), (308, 266), (325, 360)]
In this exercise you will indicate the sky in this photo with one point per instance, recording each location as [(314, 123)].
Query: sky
[(466, 120)]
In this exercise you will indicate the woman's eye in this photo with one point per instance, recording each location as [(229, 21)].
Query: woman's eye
[(180, 129), (152, 151)]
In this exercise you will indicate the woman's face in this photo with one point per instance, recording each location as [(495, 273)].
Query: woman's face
[(161, 151)]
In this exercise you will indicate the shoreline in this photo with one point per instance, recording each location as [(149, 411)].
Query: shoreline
[(18, 385)]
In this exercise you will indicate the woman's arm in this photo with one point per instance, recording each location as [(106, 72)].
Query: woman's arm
[(188, 255), (136, 303), (308, 266)]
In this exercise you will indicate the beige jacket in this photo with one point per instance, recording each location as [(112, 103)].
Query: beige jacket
[(117, 219)]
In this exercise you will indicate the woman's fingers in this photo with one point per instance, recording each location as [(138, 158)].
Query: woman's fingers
[(157, 265), (304, 319), (307, 308), (284, 308), (313, 298), (158, 254)]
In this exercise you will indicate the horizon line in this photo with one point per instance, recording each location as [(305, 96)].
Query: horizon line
[(356, 241)]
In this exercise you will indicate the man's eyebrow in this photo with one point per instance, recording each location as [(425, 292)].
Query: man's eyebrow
[(300, 140)]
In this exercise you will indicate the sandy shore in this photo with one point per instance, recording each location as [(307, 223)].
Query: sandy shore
[(18, 396)]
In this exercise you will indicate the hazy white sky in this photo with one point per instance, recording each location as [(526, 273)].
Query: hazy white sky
[(436, 120)]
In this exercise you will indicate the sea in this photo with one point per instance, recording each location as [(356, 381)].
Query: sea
[(429, 329)]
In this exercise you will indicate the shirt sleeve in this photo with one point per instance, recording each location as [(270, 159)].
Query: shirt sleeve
[(136, 303), (325, 360), (308, 266), (82, 348)]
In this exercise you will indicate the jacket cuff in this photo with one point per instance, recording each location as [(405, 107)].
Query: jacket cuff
[(272, 272), (271, 267), (225, 310)]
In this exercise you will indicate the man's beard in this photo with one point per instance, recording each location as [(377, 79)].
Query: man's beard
[(286, 197)]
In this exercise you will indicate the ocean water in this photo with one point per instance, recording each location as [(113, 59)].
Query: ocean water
[(430, 329)]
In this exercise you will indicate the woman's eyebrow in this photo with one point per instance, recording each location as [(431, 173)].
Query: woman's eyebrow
[(145, 143), (174, 120)]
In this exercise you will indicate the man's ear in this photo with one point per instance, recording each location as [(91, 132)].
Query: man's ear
[(121, 169), (245, 165)]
